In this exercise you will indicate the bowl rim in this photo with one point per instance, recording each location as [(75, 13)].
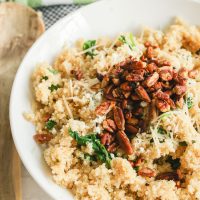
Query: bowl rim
[(66, 18)]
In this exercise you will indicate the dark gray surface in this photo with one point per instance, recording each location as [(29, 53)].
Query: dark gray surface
[(51, 14)]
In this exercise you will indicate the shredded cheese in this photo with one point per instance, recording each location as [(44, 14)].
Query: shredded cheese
[(70, 88), (91, 48), (67, 108)]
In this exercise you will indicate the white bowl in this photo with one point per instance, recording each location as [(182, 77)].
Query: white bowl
[(98, 19)]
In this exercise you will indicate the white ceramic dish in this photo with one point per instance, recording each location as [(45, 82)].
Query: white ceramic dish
[(101, 18)]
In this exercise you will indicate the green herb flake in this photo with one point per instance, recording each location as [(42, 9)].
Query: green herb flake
[(44, 78), (189, 102), (129, 40), (175, 163), (89, 157), (136, 168), (183, 144), (53, 87), (53, 71), (87, 47), (162, 131), (50, 124), (100, 151)]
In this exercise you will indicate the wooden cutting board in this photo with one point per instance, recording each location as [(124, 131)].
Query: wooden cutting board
[(20, 27)]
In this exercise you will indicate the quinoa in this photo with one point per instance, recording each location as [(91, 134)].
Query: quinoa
[(164, 162)]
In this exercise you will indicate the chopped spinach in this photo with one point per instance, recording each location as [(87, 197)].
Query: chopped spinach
[(50, 124), (175, 163), (162, 131), (53, 71), (53, 87), (89, 157), (44, 78), (183, 144), (129, 40), (87, 45), (189, 102), (100, 151), (136, 168)]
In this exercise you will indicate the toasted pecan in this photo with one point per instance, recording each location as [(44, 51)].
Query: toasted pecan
[(124, 142), (43, 138), (119, 118), (141, 92), (146, 172)]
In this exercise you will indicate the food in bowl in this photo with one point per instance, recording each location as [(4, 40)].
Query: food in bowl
[(119, 119)]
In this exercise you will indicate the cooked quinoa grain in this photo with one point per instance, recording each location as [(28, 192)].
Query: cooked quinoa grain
[(119, 119)]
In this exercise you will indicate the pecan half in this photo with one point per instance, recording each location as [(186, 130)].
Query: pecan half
[(151, 80), (124, 142), (149, 52), (168, 176), (142, 94), (134, 77), (152, 67), (43, 138), (163, 106), (166, 75), (126, 86), (119, 118), (138, 71), (104, 107), (146, 172), (161, 95), (179, 79), (109, 125), (131, 129), (106, 138), (137, 65), (180, 89), (156, 87), (112, 148)]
